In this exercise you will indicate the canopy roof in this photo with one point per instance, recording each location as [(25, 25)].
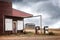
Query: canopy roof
[(19, 13)]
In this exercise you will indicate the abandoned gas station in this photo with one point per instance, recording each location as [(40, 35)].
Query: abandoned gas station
[(12, 20)]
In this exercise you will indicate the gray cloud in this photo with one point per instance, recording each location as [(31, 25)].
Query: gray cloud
[(42, 6), (50, 9), (26, 2)]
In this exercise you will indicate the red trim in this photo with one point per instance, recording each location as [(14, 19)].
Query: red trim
[(20, 13)]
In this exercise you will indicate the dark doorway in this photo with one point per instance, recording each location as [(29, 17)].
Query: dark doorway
[(14, 27)]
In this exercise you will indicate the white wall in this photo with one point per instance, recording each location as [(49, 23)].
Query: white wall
[(19, 25), (8, 24)]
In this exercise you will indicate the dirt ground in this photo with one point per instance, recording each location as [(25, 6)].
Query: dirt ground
[(30, 38)]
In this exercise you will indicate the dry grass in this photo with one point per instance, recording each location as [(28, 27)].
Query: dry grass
[(30, 38), (55, 31), (34, 37)]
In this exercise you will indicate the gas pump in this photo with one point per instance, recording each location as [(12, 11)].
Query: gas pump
[(45, 29), (36, 30)]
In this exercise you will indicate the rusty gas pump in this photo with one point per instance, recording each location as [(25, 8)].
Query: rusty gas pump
[(36, 30), (45, 29)]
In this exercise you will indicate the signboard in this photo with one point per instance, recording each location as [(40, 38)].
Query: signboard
[(19, 25), (8, 25)]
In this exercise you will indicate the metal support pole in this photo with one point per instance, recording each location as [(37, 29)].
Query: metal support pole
[(23, 25), (41, 23)]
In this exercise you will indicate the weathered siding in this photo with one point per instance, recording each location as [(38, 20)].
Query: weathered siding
[(5, 9), (1, 23), (1, 19)]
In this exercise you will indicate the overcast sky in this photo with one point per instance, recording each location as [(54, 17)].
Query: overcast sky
[(49, 9)]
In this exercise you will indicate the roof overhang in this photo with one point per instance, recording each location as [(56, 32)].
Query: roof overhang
[(19, 13)]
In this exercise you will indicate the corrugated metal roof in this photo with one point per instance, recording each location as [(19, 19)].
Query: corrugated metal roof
[(19, 13)]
